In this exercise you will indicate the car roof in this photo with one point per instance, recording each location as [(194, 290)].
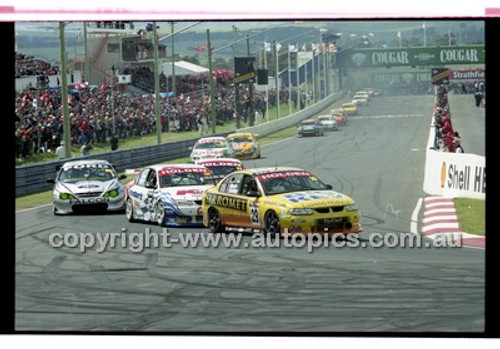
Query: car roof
[(85, 162), (215, 160), (265, 170), (308, 121), (173, 166), (215, 138), (240, 134)]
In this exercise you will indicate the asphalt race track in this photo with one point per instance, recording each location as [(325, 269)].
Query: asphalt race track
[(378, 159)]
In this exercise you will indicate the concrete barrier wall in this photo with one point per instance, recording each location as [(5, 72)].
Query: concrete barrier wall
[(453, 174)]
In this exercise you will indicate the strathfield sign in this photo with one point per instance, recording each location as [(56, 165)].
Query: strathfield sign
[(411, 56)]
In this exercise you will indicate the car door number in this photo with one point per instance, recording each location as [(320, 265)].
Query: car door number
[(254, 215)]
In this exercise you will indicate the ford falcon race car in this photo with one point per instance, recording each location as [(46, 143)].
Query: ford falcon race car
[(328, 122), (85, 185), (221, 167), (211, 147), (310, 127), (169, 195), (245, 145), (350, 109), (280, 200)]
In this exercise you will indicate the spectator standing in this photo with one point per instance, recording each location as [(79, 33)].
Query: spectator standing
[(60, 151)]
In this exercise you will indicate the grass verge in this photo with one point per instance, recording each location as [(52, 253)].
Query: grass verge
[(471, 215)]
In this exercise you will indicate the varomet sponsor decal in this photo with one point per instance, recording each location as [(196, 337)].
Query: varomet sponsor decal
[(227, 202)]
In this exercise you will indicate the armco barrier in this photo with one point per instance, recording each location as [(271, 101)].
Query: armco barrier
[(33, 178)]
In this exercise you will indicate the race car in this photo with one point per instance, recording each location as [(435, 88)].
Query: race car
[(328, 122), (87, 185), (245, 145), (221, 167), (310, 127), (211, 147), (169, 195), (339, 116), (360, 100), (350, 109), (278, 200)]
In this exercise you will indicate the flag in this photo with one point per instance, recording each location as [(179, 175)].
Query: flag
[(304, 47), (278, 46), (292, 48), (267, 46)]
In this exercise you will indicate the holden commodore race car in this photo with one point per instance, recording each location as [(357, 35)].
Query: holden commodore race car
[(280, 200), (221, 167), (245, 145), (310, 127), (169, 195), (211, 147), (86, 185), (328, 122), (350, 109), (339, 116)]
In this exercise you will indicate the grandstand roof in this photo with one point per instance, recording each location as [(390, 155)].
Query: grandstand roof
[(183, 68)]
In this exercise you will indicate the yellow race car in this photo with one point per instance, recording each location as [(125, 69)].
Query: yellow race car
[(350, 108), (278, 200), (245, 145)]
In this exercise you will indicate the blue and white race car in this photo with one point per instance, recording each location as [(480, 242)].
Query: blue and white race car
[(169, 195), (87, 185)]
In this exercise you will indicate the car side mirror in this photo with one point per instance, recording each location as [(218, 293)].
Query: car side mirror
[(329, 187), (254, 193), (51, 180), (122, 176)]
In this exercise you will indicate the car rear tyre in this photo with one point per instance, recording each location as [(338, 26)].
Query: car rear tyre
[(129, 210), (215, 222)]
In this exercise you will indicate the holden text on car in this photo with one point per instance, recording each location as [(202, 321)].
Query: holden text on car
[(221, 167)]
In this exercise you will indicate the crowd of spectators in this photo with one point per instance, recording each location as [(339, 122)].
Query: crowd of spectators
[(446, 138), (26, 65)]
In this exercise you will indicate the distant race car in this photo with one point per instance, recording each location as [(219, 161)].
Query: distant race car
[(360, 101), (339, 116), (245, 145), (278, 200), (350, 109), (221, 167), (310, 127), (87, 185), (169, 195), (328, 122), (211, 147)]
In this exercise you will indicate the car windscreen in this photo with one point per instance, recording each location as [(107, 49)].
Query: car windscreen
[(286, 182), (185, 179), (223, 170), (210, 145), (240, 140), (80, 173)]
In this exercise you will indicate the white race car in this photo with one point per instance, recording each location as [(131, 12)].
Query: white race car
[(86, 185), (211, 147), (328, 122), (169, 195)]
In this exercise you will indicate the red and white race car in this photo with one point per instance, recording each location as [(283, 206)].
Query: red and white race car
[(211, 147)]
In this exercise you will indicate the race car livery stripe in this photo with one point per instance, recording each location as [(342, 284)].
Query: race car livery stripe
[(284, 174), (227, 202)]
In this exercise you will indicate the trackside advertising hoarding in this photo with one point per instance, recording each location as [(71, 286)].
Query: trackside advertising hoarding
[(455, 175), (411, 56)]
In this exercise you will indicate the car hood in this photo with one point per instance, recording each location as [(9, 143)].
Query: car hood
[(192, 192), (208, 153), (86, 186), (312, 199), (308, 127), (243, 146)]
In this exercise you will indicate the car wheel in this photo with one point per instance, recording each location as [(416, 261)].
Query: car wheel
[(129, 210), (271, 224), (160, 214), (215, 222)]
